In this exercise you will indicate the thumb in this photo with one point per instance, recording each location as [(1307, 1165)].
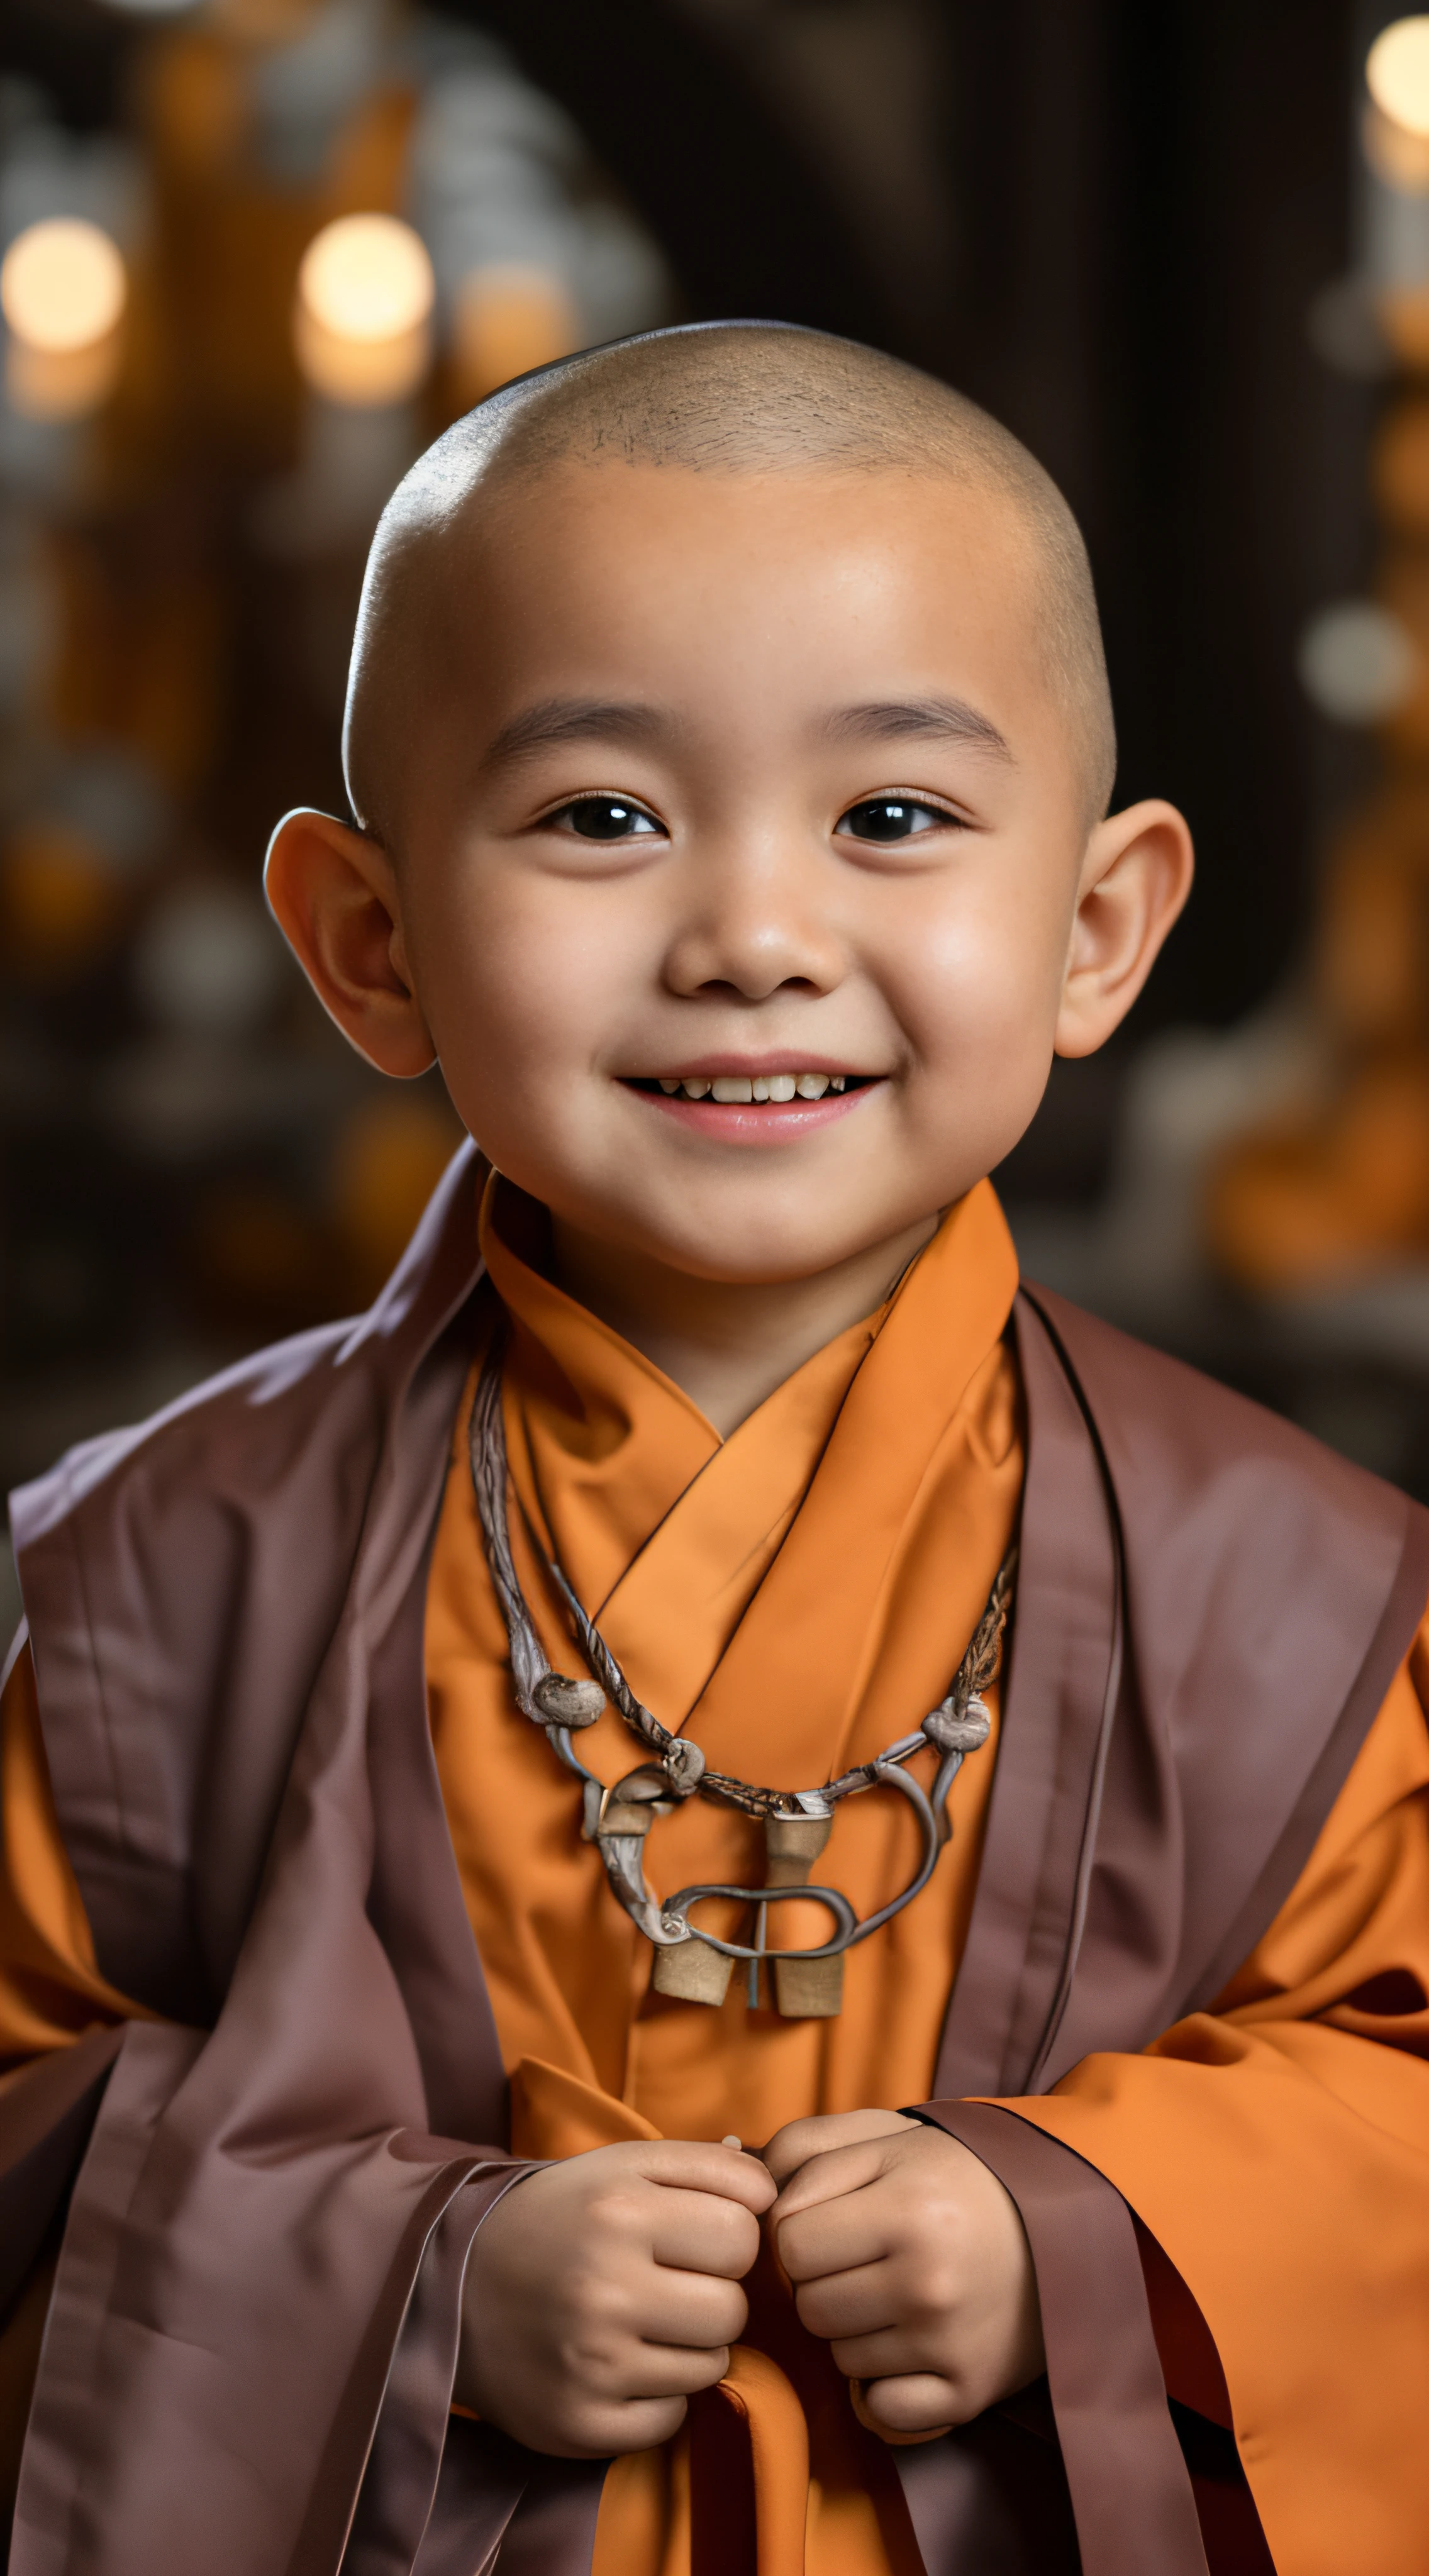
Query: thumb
[(801, 2141), (726, 2172)]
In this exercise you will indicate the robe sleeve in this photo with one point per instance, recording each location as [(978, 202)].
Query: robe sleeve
[(52, 2000), (60, 2028), (1274, 2153), (51, 1991)]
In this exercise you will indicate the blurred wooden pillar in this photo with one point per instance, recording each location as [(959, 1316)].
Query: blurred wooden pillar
[(1151, 193)]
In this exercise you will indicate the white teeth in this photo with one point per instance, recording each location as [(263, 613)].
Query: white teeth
[(739, 1088)]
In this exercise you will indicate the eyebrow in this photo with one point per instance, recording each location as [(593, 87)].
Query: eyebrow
[(948, 719), (554, 721)]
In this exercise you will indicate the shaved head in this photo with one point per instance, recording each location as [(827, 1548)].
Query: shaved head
[(727, 398)]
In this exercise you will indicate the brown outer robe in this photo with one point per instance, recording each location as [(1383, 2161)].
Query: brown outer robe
[(246, 1790)]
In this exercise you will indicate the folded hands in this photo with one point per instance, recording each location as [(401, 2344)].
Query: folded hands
[(604, 2291)]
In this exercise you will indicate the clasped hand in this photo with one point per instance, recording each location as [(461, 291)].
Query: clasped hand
[(604, 2291)]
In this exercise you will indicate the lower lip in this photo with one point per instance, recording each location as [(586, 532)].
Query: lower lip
[(764, 1122)]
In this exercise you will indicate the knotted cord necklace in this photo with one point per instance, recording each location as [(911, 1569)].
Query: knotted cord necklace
[(690, 1961)]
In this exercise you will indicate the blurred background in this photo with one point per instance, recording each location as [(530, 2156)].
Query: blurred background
[(257, 252)]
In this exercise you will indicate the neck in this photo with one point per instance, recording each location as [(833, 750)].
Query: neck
[(729, 1344)]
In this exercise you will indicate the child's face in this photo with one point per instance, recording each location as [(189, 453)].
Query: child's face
[(753, 778)]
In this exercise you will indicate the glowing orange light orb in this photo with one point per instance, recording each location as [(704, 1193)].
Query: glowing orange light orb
[(366, 277), (362, 323), (1398, 74), (62, 285)]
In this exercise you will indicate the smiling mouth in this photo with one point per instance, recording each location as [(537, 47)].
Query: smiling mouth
[(742, 1090)]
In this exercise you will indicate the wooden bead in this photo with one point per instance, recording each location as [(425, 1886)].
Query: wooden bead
[(807, 1989), (793, 1844), (958, 1734), (693, 1971), (564, 1701)]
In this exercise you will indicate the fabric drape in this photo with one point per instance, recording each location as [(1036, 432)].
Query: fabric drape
[(1240, 2139)]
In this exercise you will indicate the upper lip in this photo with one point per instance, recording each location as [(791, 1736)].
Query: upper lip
[(708, 1068)]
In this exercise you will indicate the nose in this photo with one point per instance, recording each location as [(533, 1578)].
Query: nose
[(754, 919)]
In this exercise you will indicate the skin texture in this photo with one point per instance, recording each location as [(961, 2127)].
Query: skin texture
[(608, 2293), (909, 2258), (741, 621), (740, 397)]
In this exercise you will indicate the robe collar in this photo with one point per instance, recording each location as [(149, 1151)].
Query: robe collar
[(625, 1481)]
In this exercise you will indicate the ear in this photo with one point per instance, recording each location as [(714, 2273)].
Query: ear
[(1135, 879), (334, 895)]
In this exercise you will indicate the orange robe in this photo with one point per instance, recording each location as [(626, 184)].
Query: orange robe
[(800, 1593)]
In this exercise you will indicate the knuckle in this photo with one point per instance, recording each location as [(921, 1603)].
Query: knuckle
[(792, 2245), (813, 2307), (590, 2365), (645, 2425), (728, 2315), (934, 2290), (742, 2229), (596, 2328), (619, 2207)]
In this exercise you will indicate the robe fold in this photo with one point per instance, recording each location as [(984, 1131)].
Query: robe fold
[(309, 1973)]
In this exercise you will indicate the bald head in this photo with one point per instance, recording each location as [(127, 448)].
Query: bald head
[(720, 398)]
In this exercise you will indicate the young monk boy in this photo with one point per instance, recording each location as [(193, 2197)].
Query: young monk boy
[(442, 2135)]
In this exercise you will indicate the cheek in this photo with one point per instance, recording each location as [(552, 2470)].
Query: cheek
[(520, 978), (976, 985)]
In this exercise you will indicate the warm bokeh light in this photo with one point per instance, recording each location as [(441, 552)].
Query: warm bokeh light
[(1394, 154), (59, 385), (1403, 316), (508, 319), (366, 277), (1398, 74), (62, 285), (59, 898), (365, 293), (1399, 467), (390, 1156), (264, 22)]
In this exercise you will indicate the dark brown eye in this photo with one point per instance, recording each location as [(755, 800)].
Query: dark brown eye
[(889, 818), (605, 818)]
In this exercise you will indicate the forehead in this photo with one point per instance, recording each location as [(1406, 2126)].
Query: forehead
[(687, 568)]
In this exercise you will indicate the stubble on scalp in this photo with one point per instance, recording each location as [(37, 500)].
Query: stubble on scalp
[(718, 398)]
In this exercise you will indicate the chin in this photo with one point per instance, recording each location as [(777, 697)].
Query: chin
[(766, 1253)]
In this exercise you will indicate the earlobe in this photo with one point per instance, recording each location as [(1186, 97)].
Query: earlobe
[(333, 893), (1134, 884)]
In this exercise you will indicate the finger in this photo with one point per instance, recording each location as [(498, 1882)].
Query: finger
[(793, 2145), (600, 2429), (860, 2302), (688, 2309), (692, 2231), (693, 2165), (917, 2401), (889, 2352), (658, 2369), (834, 2236), (831, 2175)]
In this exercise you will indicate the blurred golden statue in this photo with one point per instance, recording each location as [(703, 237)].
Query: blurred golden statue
[(1340, 1190)]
